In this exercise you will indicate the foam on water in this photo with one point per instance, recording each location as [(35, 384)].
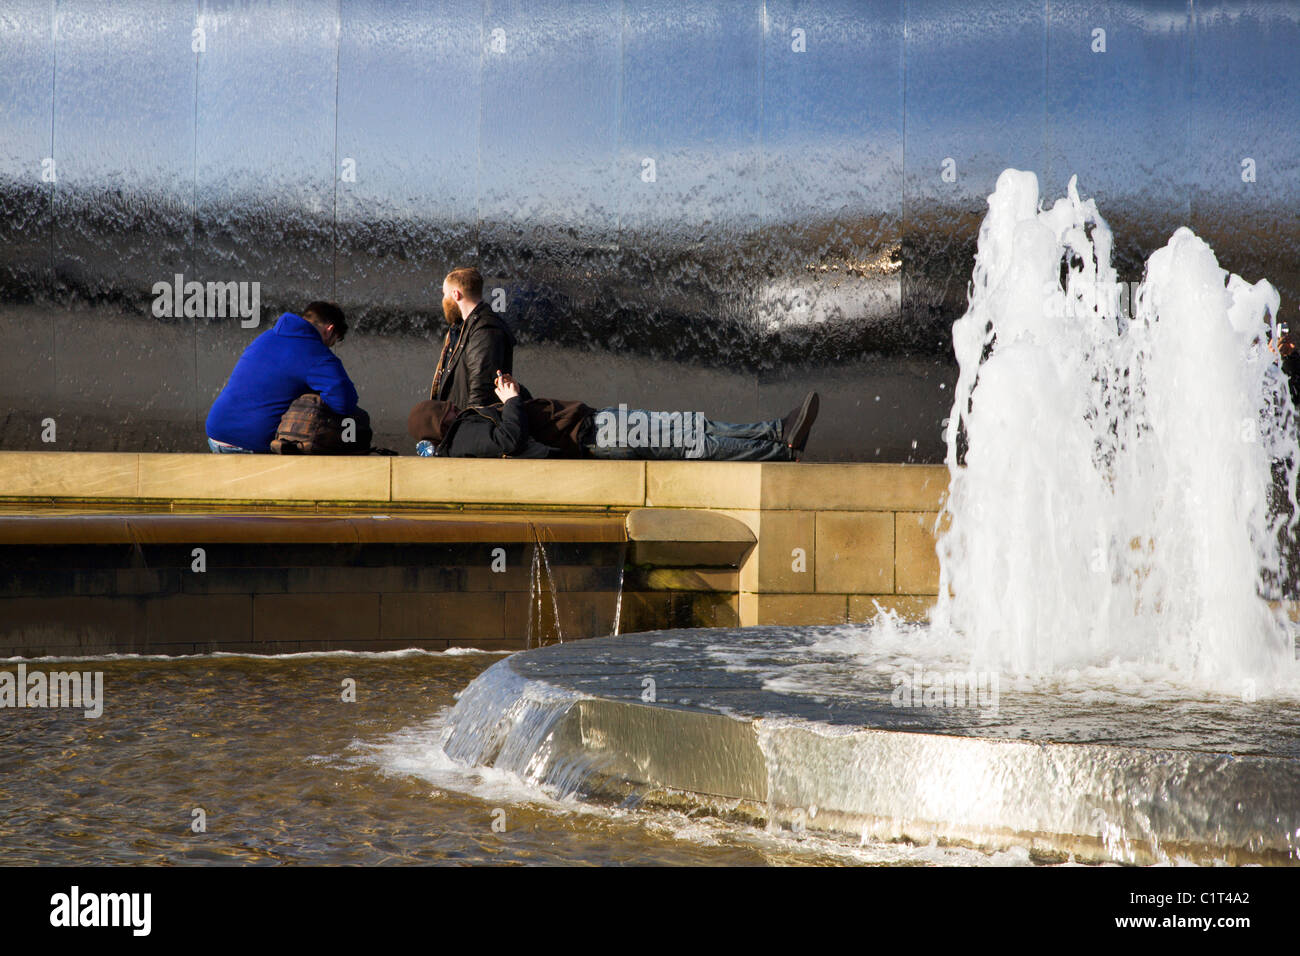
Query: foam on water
[(418, 751), (1113, 508), (854, 661)]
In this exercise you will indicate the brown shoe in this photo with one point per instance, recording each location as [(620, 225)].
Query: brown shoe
[(796, 426)]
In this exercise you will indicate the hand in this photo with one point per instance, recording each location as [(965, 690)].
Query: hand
[(506, 387)]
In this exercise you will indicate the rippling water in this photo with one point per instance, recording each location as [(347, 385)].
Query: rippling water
[(286, 772)]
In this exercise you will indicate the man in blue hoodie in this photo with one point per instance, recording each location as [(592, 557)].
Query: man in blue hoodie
[(281, 364)]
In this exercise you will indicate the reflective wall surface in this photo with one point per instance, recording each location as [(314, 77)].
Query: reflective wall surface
[(713, 204)]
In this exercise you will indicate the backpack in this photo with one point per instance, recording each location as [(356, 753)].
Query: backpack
[(310, 427)]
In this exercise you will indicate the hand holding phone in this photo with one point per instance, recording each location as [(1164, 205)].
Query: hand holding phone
[(505, 386)]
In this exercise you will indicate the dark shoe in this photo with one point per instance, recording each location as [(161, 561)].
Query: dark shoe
[(796, 426)]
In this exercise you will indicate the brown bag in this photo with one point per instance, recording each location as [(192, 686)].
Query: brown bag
[(310, 427)]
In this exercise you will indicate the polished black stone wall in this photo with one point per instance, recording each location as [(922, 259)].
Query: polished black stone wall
[(819, 174)]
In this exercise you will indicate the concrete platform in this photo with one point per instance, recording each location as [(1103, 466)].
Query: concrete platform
[(758, 724), (800, 543), (58, 476)]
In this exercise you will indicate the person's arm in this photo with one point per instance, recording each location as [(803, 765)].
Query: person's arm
[(512, 434), (336, 390), (478, 435), (485, 352), (513, 431)]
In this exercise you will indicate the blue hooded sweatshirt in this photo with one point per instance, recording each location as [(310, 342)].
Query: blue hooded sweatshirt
[(276, 368)]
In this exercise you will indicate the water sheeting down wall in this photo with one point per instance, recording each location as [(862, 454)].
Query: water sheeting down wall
[(709, 205)]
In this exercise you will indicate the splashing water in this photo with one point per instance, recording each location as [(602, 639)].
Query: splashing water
[(1113, 505)]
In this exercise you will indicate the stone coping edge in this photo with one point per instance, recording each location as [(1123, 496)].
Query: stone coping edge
[(49, 477)]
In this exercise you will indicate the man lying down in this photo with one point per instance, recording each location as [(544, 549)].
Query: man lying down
[(522, 427)]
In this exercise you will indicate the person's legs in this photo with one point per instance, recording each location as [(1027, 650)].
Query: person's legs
[(744, 449), (764, 431), (637, 434), (624, 434), (635, 453), (221, 448)]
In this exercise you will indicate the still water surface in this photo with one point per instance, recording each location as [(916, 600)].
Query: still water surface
[(285, 771)]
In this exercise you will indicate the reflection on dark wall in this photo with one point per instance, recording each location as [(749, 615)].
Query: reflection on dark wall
[(710, 204)]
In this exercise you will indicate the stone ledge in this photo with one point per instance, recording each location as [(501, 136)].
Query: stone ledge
[(40, 478), (703, 484), (719, 580), (671, 537), (853, 487), (248, 479), (59, 529), (244, 477), (70, 474), (610, 483)]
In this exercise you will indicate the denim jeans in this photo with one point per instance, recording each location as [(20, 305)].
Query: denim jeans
[(229, 449), (705, 439)]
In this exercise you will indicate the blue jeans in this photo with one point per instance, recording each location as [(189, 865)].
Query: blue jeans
[(229, 449), (702, 439)]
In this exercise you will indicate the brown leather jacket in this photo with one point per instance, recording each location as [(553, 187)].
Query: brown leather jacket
[(469, 367)]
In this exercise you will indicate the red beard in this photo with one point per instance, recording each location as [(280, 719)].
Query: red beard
[(450, 310)]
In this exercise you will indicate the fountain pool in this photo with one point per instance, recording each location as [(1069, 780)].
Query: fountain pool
[(1104, 676)]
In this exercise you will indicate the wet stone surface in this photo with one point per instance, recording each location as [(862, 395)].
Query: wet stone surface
[(833, 676)]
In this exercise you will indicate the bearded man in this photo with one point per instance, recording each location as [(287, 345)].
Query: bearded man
[(477, 348)]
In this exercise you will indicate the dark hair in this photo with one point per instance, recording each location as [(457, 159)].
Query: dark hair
[(468, 279), (327, 313)]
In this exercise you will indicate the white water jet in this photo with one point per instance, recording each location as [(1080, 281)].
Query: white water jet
[(1113, 506)]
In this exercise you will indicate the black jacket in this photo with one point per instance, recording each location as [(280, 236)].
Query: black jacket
[(493, 431), (485, 345)]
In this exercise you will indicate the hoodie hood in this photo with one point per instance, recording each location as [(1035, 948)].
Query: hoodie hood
[(296, 326)]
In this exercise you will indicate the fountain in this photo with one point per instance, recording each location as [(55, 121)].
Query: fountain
[(1104, 675), (1114, 501)]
